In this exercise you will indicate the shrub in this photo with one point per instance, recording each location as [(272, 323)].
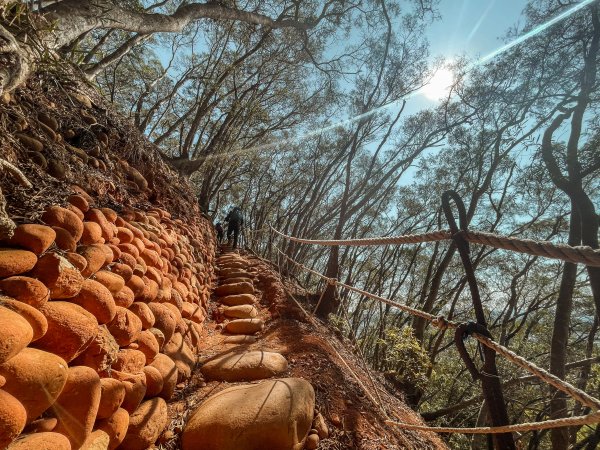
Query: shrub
[(406, 362)]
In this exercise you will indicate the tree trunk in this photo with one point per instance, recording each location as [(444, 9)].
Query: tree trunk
[(186, 167), (72, 18), (7, 226), (331, 299), (560, 335), (419, 323), (590, 222), (93, 71), (481, 441), (204, 195), (584, 376), (490, 381), (75, 17)]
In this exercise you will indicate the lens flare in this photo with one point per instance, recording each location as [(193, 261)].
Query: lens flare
[(480, 21), (534, 31), (423, 90)]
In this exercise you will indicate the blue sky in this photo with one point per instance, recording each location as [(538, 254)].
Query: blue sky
[(469, 28), (472, 27)]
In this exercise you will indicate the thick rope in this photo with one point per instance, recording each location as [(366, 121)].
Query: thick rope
[(435, 414), (540, 373), (439, 322), (589, 419), (405, 239), (579, 255), (547, 377)]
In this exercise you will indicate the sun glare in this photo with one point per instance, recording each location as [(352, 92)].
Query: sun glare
[(439, 85)]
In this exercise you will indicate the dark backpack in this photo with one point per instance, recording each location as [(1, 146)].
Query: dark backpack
[(235, 216)]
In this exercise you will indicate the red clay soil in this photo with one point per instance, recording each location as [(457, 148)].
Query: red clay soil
[(355, 422)]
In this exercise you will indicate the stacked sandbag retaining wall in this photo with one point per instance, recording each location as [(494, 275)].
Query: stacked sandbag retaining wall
[(100, 318)]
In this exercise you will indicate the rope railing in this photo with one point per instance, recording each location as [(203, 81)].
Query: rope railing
[(492, 391), (442, 323), (313, 322), (572, 391), (589, 419), (578, 254), (440, 235), (436, 321)]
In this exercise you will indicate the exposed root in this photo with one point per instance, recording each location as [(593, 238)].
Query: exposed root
[(14, 65), (7, 226), (5, 166)]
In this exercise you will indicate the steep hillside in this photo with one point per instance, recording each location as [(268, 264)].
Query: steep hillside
[(62, 133), (112, 313)]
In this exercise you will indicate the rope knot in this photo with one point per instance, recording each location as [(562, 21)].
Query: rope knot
[(332, 281), (440, 322)]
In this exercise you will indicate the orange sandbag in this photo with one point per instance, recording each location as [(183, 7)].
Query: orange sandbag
[(77, 405)]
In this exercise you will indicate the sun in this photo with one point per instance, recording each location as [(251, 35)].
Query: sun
[(439, 85)]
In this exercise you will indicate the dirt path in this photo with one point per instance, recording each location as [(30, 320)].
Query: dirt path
[(312, 352)]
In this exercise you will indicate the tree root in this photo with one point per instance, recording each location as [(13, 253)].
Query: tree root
[(14, 65), (7, 226)]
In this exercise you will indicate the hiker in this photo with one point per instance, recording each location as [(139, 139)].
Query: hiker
[(220, 232), (234, 223)]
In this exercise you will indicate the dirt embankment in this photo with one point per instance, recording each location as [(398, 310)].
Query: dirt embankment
[(327, 361), (61, 132)]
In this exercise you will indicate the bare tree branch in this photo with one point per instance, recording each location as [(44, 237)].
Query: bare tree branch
[(93, 71), (74, 17)]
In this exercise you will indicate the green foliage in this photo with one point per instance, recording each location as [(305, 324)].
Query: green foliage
[(594, 381), (339, 324), (406, 361), (593, 388)]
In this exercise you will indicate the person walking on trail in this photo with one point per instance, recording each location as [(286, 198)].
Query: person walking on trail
[(220, 232), (235, 222)]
